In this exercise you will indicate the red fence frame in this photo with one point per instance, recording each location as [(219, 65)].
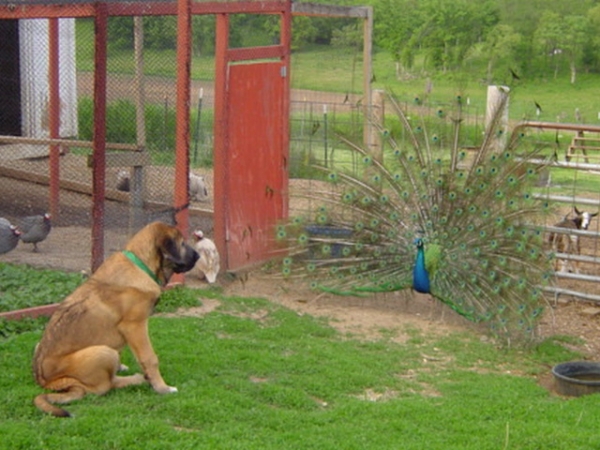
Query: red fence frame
[(183, 9)]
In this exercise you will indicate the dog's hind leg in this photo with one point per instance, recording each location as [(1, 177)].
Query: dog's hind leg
[(99, 367)]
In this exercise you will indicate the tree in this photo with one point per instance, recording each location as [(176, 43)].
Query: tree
[(499, 44), (593, 45), (395, 27), (547, 39), (561, 38), (573, 40), (203, 34), (453, 27)]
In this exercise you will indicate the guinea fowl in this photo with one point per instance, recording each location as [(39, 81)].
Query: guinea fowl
[(35, 229), (9, 236), (433, 220), (210, 261)]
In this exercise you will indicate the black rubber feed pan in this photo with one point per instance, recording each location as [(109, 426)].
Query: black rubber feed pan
[(577, 378)]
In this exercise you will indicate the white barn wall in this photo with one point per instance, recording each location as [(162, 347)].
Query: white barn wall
[(33, 36)]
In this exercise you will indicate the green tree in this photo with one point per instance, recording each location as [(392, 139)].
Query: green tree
[(500, 45), (593, 45), (203, 34), (120, 32), (453, 27), (547, 39), (574, 38), (160, 32)]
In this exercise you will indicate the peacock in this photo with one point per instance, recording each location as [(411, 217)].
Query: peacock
[(458, 225)]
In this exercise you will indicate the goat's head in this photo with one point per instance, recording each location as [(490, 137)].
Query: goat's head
[(583, 218)]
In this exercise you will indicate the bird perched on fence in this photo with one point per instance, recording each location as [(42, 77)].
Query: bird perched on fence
[(9, 236), (209, 262), (35, 229), (434, 219)]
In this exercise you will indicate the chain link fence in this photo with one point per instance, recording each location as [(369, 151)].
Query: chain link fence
[(140, 126)]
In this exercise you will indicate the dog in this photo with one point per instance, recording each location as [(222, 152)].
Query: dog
[(79, 352)]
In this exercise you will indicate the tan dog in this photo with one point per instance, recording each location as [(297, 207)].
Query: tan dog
[(80, 349)]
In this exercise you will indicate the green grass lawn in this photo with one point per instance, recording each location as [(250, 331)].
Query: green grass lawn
[(289, 381)]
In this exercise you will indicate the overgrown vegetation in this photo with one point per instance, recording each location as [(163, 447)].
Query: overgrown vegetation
[(24, 286), (254, 375), (160, 129)]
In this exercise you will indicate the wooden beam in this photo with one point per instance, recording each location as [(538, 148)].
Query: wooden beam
[(41, 11), (253, 53), (65, 143), (86, 189), (31, 313), (124, 159), (315, 9)]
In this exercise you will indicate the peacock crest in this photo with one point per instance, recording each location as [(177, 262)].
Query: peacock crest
[(459, 226)]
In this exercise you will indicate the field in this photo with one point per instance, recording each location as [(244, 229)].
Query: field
[(263, 365)]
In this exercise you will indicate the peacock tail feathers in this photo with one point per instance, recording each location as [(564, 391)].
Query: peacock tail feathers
[(472, 215)]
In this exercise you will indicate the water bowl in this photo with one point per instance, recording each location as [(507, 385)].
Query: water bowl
[(334, 235), (577, 378)]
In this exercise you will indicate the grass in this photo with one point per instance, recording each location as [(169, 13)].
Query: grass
[(289, 381), (18, 291)]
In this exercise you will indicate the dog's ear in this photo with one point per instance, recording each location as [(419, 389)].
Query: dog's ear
[(171, 249)]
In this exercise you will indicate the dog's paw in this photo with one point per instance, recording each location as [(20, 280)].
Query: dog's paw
[(123, 368), (166, 389)]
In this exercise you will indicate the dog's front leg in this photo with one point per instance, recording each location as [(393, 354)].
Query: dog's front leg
[(138, 340)]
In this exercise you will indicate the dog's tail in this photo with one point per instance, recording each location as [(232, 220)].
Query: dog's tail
[(44, 402)]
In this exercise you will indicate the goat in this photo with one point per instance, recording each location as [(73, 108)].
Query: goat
[(198, 189), (569, 243)]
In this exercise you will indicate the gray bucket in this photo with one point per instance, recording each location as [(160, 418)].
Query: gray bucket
[(577, 378)]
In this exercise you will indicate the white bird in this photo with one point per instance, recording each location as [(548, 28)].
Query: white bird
[(209, 262), (198, 189)]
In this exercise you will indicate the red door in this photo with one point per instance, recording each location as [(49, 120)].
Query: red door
[(256, 178)]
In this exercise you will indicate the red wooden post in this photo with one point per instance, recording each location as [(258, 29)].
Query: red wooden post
[(54, 114), (182, 128), (99, 151), (220, 137)]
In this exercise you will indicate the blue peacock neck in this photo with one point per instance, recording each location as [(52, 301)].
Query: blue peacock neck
[(420, 275)]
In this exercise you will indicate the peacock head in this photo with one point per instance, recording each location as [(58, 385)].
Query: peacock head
[(419, 242)]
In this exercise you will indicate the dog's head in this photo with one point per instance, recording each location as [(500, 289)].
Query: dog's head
[(176, 254), (163, 249)]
